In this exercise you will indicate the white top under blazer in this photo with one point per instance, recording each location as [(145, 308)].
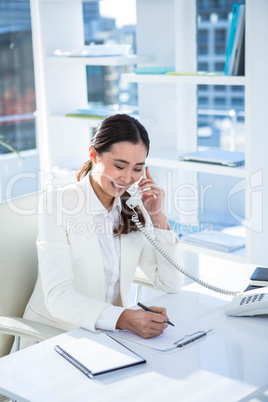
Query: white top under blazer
[(82, 281)]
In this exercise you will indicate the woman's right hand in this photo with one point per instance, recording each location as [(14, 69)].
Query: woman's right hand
[(144, 323)]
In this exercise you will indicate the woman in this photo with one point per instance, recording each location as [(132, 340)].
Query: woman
[(88, 247)]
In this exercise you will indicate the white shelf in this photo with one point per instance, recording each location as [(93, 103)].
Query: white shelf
[(83, 121), (89, 121), (169, 159), (238, 256), (100, 61), (184, 79)]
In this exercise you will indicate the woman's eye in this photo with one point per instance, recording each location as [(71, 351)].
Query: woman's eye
[(137, 170), (119, 167)]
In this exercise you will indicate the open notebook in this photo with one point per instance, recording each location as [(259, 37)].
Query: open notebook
[(100, 356)]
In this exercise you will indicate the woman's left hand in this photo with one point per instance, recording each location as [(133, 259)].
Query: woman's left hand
[(153, 198)]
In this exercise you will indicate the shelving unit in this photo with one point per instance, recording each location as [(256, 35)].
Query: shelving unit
[(61, 85), (174, 108), (167, 103)]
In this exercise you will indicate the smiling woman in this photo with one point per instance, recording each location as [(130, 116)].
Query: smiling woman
[(86, 275), (117, 137)]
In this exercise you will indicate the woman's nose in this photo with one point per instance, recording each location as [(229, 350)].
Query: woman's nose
[(126, 176)]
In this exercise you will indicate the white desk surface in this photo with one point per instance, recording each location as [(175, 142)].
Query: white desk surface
[(225, 366)]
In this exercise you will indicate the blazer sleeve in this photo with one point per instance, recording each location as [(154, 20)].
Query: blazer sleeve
[(158, 270), (56, 273)]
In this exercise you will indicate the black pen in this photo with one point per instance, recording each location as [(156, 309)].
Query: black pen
[(152, 311)]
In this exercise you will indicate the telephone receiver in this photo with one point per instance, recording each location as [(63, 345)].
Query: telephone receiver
[(134, 200), (250, 303), (135, 196)]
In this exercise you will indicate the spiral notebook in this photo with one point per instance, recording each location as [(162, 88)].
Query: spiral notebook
[(94, 358)]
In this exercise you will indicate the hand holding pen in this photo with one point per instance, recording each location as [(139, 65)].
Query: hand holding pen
[(152, 311), (146, 322)]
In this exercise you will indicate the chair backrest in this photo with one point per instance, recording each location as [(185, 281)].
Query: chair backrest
[(18, 257)]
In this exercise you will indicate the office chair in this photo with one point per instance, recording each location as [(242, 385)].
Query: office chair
[(18, 272)]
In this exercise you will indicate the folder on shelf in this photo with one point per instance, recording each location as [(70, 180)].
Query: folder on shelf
[(216, 240), (215, 156), (234, 64), (100, 356)]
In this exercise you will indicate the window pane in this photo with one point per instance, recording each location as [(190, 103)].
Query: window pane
[(17, 91), (107, 23), (18, 175), (220, 41)]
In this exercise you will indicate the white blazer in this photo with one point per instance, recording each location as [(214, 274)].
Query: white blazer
[(70, 289)]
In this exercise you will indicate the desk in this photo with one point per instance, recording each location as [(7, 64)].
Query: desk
[(224, 366)]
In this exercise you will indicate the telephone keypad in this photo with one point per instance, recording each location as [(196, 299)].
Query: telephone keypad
[(252, 299)]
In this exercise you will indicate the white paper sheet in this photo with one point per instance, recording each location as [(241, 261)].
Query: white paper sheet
[(170, 337)]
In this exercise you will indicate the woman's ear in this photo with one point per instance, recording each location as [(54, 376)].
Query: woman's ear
[(92, 154)]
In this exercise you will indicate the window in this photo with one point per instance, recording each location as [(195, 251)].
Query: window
[(219, 66), (237, 88), (17, 91), (202, 43), (238, 103), (17, 98), (219, 88), (220, 41), (202, 66), (106, 23), (202, 100), (220, 101)]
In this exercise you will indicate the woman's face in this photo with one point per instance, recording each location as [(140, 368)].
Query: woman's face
[(115, 171)]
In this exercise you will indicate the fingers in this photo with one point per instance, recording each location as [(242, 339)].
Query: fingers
[(148, 174), (160, 310), (143, 323)]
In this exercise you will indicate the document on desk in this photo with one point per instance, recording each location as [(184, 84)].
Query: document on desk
[(100, 356), (183, 333)]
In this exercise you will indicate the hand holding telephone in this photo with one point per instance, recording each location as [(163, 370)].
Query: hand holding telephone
[(135, 198)]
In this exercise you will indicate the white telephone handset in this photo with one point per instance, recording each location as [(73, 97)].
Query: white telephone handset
[(134, 200), (252, 302)]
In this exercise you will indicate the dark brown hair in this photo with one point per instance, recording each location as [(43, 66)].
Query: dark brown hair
[(112, 130)]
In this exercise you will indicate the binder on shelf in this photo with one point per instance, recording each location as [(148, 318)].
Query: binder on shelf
[(98, 357), (215, 156), (259, 277), (235, 54), (216, 240)]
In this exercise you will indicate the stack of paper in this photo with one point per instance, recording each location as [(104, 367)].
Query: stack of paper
[(94, 50), (216, 240)]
